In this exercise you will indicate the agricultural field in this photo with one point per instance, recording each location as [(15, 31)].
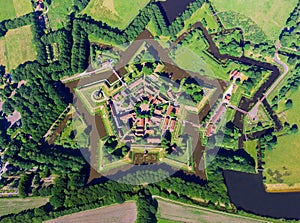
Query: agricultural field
[(17, 47), (268, 15), (58, 10), (116, 13), (282, 163), (10, 9), (15, 205), (121, 213), (169, 211)]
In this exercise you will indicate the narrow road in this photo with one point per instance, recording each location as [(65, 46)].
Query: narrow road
[(85, 74), (237, 109), (254, 110), (285, 71)]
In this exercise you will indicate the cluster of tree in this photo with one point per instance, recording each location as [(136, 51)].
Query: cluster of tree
[(290, 129), (26, 153), (4, 138), (142, 113), (213, 191), (150, 12), (264, 49), (25, 185), (80, 49), (38, 102), (68, 196), (112, 151), (166, 140), (79, 5), (268, 140), (192, 89), (159, 22), (255, 74), (146, 207), (24, 20), (37, 32), (66, 200), (230, 43), (193, 35), (101, 30), (227, 137), (178, 23), (212, 110), (289, 36), (292, 84), (62, 37), (252, 31)]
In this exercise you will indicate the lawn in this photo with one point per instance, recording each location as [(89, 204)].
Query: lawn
[(250, 148), (58, 11), (15, 205), (203, 12), (125, 212), (282, 163), (10, 9), (269, 15), (193, 56), (116, 13), (74, 135), (172, 211), (17, 47), (264, 121)]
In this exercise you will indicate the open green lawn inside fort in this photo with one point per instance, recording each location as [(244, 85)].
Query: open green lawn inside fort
[(264, 121), (268, 15), (74, 134), (15, 205), (16, 47), (10, 9), (192, 55), (116, 13)]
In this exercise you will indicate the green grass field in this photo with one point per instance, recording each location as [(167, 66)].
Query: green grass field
[(58, 10), (269, 15), (15, 205), (193, 57), (283, 160), (80, 139), (17, 47), (197, 16), (250, 148), (10, 9), (116, 13)]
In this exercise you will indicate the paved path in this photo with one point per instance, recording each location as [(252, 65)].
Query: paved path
[(254, 110), (237, 109), (85, 74)]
